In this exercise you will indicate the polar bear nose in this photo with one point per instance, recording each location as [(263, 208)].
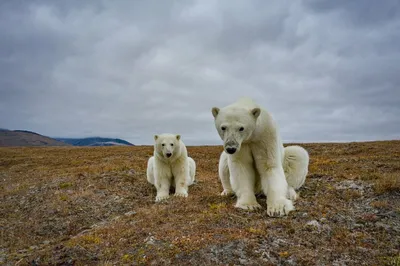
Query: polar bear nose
[(231, 150), (169, 154)]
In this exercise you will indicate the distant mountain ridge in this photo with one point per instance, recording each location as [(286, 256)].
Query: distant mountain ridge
[(95, 141), (26, 131), (12, 138)]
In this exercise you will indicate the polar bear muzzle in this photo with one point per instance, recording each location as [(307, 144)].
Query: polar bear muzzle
[(231, 150), (231, 146)]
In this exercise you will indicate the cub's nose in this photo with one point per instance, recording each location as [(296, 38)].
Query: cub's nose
[(231, 150), (169, 154)]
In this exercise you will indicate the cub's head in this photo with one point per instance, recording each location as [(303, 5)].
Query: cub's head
[(166, 145), (235, 125)]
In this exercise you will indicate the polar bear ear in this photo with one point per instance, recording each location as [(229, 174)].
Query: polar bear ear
[(155, 137), (215, 111), (256, 112), (178, 137)]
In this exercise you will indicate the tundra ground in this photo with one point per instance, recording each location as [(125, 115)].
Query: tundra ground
[(93, 206)]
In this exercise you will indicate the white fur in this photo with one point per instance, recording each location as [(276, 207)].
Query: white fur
[(260, 161), (178, 170), (241, 164)]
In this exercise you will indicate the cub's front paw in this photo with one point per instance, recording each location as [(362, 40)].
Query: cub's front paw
[(227, 192), (250, 206), (161, 197), (279, 207), (182, 194)]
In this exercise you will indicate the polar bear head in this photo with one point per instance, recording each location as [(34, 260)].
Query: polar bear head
[(235, 125), (167, 145)]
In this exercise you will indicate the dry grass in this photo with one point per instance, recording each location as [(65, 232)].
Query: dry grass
[(388, 182), (93, 206)]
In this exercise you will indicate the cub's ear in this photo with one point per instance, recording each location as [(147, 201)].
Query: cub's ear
[(155, 137), (178, 137), (215, 111), (256, 112)]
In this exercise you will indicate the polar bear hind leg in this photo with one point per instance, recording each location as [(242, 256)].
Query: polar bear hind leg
[(150, 170), (192, 171), (295, 165)]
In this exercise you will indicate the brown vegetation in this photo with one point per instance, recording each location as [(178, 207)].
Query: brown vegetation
[(93, 206)]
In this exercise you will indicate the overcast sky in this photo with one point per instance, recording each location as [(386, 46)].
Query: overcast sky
[(326, 70)]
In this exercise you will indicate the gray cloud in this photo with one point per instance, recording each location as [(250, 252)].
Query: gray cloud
[(326, 71)]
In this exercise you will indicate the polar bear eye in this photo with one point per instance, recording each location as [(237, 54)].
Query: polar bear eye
[(172, 144), (223, 128), (163, 144), (241, 128)]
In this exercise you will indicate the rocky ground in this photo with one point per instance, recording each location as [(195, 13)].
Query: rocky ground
[(93, 206)]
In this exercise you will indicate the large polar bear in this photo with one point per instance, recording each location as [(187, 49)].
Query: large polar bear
[(170, 166), (254, 159)]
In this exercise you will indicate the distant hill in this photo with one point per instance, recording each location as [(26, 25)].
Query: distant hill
[(9, 138), (95, 141)]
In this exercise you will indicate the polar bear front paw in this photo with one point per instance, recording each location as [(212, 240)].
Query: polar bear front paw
[(250, 206), (279, 207), (182, 194), (227, 192), (161, 197), (292, 195)]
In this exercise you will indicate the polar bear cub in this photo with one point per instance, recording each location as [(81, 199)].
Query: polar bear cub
[(170, 166), (254, 158)]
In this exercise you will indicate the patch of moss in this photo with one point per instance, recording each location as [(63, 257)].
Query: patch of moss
[(217, 206), (63, 197), (65, 185)]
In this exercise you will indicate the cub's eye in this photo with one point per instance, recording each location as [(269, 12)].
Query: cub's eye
[(172, 144), (223, 128), (241, 128), (163, 144)]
